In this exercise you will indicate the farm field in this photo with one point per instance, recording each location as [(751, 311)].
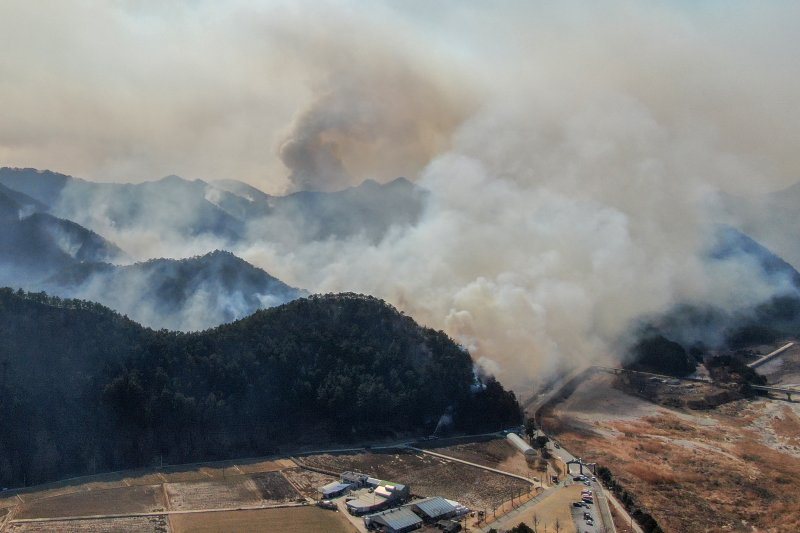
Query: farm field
[(212, 494), (174, 475), (141, 499), (274, 488), (495, 453), (286, 520), (428, 475), (308, 481), (264, 466), (145, 524)]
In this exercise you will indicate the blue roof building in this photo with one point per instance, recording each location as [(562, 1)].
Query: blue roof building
[(334, 490)]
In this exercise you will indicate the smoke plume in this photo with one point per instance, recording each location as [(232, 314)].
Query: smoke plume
[(574, 154)]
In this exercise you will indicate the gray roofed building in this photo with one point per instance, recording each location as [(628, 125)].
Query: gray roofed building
[(395, 520), (355, 478), (433, 509), (335, 489)]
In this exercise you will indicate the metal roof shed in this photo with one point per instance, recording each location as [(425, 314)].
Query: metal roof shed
[(332, 490), (436, 508), (395, 520)]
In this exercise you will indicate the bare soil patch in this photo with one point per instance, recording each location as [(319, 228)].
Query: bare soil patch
[(145, 524), (287, 520), (180, 475), (555, 507), (212, 494), (308, 481), (265, 466), (149, 478), (494, 453), (274, 488), (140, 499)]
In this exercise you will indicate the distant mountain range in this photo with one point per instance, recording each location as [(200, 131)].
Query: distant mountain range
[(54, 224), (187, 294), (35, 245), (39, 251), (229, 211)]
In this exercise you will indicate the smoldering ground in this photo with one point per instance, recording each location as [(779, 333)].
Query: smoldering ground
[(573, 154)]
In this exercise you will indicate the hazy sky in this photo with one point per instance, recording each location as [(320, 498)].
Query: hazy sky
[(277, 93)]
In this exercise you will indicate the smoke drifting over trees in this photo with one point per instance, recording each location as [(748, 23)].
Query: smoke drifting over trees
[(572, 155)]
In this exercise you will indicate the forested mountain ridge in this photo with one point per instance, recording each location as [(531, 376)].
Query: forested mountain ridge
[(85, 389)]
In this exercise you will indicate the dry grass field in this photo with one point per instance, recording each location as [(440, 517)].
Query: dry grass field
[(732, 468), (175, 475), (219, 494), (147, 524), (142, 499), (428, 475), (495, 453), (285, 520), (264, 466)]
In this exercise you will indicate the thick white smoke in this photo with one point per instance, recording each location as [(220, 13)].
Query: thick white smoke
[(573, 153)]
